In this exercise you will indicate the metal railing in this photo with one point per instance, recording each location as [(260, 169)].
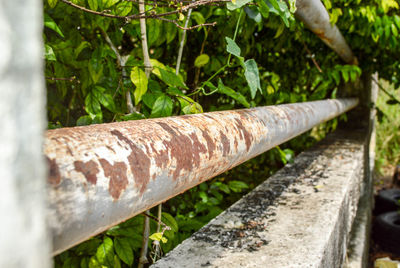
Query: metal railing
[(101, 175)]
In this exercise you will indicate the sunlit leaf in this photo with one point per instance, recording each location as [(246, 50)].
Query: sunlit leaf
[(93, 4), (105, 252), (49, 53), (52, 3), (201, 60), (139, 79), (51, 24)]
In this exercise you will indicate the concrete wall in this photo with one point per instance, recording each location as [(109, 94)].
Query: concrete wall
[(300, 217), (23, 237)]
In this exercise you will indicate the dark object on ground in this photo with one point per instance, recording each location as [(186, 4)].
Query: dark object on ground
[(387, 231), (387, 200), (396, 177)]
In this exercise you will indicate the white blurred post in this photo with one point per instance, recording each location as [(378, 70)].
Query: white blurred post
[(23, 234)]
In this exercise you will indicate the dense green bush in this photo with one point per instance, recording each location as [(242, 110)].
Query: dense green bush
[(256, 54)]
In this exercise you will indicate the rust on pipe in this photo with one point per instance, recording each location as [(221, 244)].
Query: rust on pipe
[(316, 18), (101, 175)]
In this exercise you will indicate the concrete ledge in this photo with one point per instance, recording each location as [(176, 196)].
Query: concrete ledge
[(300, 217)]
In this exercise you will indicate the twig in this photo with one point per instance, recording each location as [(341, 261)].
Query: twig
[(145, 240), (142, 14), (311, 56), (181, 45), (70, 79), (146, 58), (147, 68), (385, 91), (186, 28), (121, 63), (157, 243)]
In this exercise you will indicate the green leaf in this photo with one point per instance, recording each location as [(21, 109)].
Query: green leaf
[(237, 186), (92, 104), (198, 17), (88, 247), (170, 32), (139, 79), (171, 79), (253, 13), (117, 263), (105, 252), (156, 236), (153, 31), (252, 77), (107, 101), (394, 30), (51, 24), (345, 75), (123, 249), (109, 3), (162, 107), (232, 93), (353, 76), (232, 47), (85, 262), (170, 221), (201, 60), (132, 116), (95, 67), (336, 76), (189, 106), (150, 98), (397, 21), (263, 7), (236, 4), (93, 4), (123, 8), (279, 31), (52, 3), (49, 53), (94, 263), (292, 6)]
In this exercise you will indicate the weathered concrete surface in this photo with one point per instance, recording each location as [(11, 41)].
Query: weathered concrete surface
[(300, 217), (23, 236)]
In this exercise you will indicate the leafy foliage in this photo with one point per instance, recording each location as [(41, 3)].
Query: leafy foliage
[(257, 54)]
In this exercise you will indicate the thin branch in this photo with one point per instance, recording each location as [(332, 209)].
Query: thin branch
[(145, 240), (385, 91), (92, 11), (181, 45), (186, 28), (147, 68), (143, 15), (121, 63), (311, 56), (69, 79), (157, 251)]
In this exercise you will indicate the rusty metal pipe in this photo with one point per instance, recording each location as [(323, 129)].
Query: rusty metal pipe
[(315, 17), (101, 175)]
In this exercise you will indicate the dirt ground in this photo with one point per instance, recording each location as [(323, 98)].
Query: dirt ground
[(381, 182)]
